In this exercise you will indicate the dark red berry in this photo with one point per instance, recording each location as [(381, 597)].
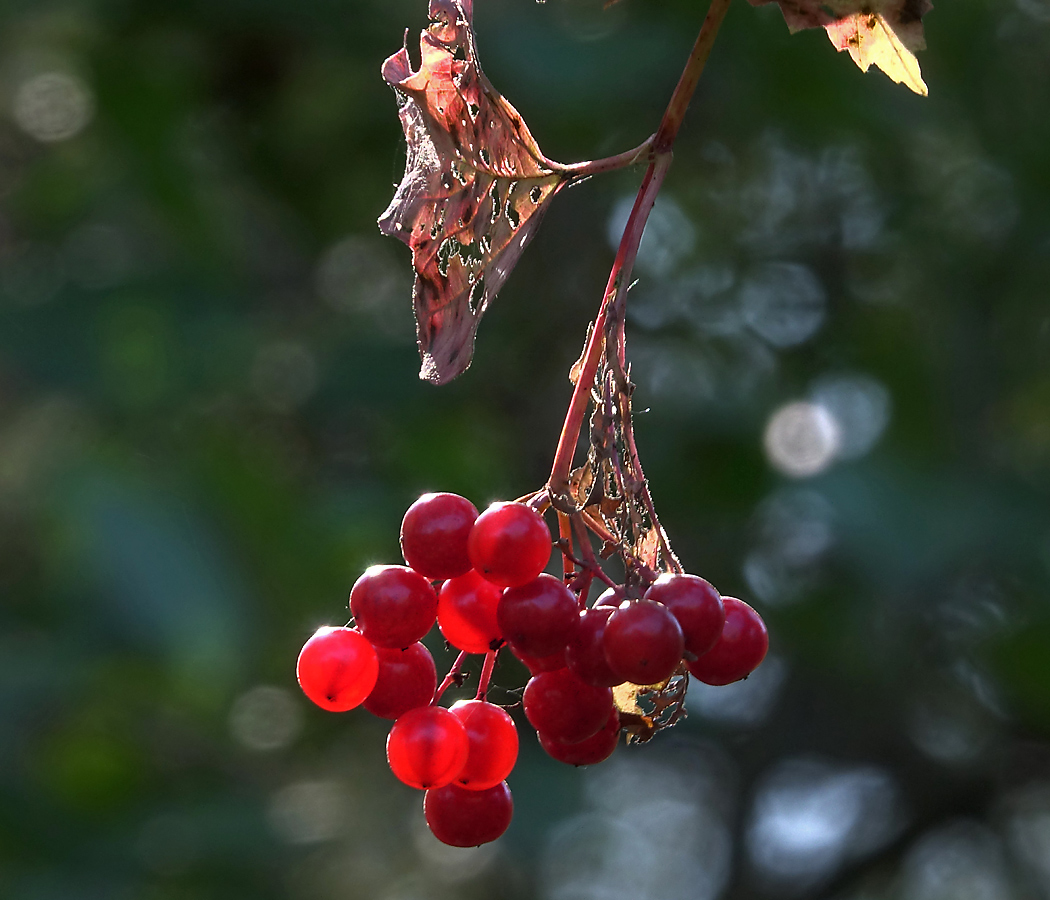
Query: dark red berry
[(509, 544), (434, 535), (393, 606), (427, 747), (738, 651), (613, 597), (493, 743), (337, 668), (467, 612), (643, 642), (463, 818), (407, 679), (564, 708), (695, 604), (537, 664), (585, 654), (595, 749), (540, 617)]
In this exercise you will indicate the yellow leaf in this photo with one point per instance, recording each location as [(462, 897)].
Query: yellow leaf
[(871, 39)]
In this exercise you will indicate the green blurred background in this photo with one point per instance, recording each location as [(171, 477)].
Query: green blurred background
[(210, 423)]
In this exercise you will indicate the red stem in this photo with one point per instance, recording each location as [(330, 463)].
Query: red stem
[(453, 673), (486, 674), (619, 277)]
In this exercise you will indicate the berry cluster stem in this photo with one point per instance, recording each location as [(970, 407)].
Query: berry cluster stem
[(660, 155)]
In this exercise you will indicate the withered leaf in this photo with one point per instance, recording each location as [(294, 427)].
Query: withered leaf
[(474, 190), (886, 33)]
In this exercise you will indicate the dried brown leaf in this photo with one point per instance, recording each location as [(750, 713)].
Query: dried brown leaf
[(474, 190)]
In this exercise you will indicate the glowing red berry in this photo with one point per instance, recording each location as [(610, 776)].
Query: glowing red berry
[(566, 709), (643, 642), (434, 535), (493, 743), (427, 747), (509, 544), (463, 818), (540, 617), (467, 613), (695, 604), (337, 668), (407, 679), (739, 649), (537, 664), (393, 606)]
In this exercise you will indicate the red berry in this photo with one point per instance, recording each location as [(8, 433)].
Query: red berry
[(434, 535), (493, 744), (740, 648), (566, 709), (595, 749), (537, 664), (613, 597), (509, 544), (337, 668), (467, 613), (427, 747), (540, 617), (695, 604), (643, 642), (407, 679), (463, 818), (585, 654), (393, 606)]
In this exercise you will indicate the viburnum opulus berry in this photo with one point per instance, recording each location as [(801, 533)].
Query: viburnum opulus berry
[(595, 749), (585, 654), (695, 604), (739, 649), (407, 679), (643, 642), (509, 544), (393, 606), (337, 668), (464, 818), (434, 535), (493, 743), (540, 617), (427, 747), (566, 709), (467, 613)]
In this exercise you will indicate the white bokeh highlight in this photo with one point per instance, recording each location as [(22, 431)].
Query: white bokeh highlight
[(53, 106)]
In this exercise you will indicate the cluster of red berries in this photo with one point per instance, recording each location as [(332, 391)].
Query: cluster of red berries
[(492, 592)]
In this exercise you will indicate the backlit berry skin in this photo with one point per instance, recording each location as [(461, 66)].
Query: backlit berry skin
[(739, 649), (566, 709), (337, 668), (595, 749), (427, 747), (462, 818), (434, 535), (393, 606), (695, 604), (585, 654), (467, 613), (643, 642), (540, 617), (613, 597), (493, 743), (509, 544), (407, 679)]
